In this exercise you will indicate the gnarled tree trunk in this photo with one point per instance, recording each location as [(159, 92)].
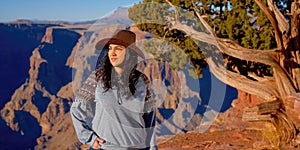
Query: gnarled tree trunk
[(281, 91)]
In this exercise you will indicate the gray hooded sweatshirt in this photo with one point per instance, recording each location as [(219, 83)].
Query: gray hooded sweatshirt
[(124, 122)]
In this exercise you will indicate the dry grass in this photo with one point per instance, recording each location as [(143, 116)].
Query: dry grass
[(271, 136)]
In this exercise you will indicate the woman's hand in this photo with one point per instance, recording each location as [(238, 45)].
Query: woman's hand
[(97, 143)]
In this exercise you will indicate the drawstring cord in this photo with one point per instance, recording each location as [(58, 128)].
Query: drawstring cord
[(120, 102)]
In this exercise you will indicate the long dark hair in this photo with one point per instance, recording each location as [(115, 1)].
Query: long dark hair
[(130, 78)]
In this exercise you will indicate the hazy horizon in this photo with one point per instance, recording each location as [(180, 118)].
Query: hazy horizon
[(67, 10)]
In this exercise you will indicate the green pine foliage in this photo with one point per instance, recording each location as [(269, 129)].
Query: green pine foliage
[(174, 46), (239, 20)]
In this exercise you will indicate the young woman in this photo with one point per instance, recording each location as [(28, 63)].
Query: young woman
[(114, 109)]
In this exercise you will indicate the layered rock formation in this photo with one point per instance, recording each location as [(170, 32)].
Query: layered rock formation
[(34, 107), (16, 44)]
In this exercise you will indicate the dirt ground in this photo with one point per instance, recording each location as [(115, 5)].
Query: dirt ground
[(226, 139), (230, 132), (237, 139)]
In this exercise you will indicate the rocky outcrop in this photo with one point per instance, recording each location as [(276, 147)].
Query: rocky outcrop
[(18, 40), (35, 107), (45, 94), (48, 38)]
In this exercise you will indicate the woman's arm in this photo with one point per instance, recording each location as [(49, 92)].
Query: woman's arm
[(79, 117), (83, 109)]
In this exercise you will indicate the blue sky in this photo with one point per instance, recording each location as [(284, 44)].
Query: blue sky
[(64, 10)]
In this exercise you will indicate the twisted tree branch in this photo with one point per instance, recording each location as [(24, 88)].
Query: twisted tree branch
[(282, 22), (274, 23), (231, 48), (263, 88)]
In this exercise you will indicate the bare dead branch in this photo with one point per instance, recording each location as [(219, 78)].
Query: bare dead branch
[(295, 37), (283, 84), (258, 78), (175, 11), (282, 22), (201, 36), (206, 25), (233, 49), (262, 89), (274, 23), (230, 47), (295, 21), (265, 57)]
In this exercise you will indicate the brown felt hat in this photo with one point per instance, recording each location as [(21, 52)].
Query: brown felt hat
[(122, 37)]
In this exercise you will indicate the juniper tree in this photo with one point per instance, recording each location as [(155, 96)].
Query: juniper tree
[(258, 38)]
